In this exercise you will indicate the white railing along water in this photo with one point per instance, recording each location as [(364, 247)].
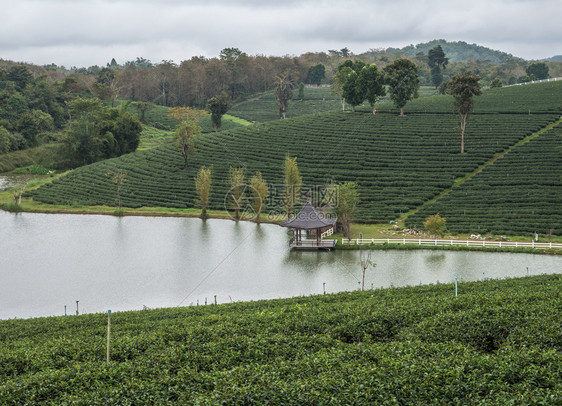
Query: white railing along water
[(467, 243)]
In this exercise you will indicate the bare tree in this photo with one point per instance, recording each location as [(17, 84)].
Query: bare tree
[(283, 92), (365, 262)]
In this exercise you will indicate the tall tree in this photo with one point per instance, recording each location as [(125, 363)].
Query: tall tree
[(347, 200), (218, 106), (316, 74), (371, 83), (119, 177), (293, 184), (142, 108), (203, 189), (402, 78), (463, 87), (352, 92), (187, 130), (237, 193), (339, 81), (283, 92), (437, 61), (259, 194)]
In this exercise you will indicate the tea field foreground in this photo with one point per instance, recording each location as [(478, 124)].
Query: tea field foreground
[(499, 342)]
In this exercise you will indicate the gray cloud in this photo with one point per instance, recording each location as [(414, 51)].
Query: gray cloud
[(83, 32)]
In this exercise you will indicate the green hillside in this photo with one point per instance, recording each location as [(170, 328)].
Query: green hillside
[(456, 51), (264, 107), (399, 162), (497, 343), (521, 193)]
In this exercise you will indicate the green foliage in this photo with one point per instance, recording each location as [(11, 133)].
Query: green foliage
[(316, 74), (346, 205), (259, 190), (371, 84), (48, 155), (218, 106), (203, 189), (538, 70), (5, 140), (457, 51), (33, 170), (142, 108), (463, 87), (435, 225), (237, 192), (292, 184), (97, 132), (437, 61), (497, 82), (301, 90), (352, 93), (402, 78), (497, 343)]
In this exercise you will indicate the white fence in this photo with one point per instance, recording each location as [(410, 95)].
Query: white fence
[(466, 243), (534, 81)]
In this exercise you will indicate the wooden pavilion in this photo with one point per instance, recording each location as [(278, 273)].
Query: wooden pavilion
[(314, 224)]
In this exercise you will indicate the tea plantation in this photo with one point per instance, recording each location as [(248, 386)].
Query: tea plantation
[(497, 343), (399, 162), (520, 193), (264, 107)]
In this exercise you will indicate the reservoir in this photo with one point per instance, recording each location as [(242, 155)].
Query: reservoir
[(49, 261)]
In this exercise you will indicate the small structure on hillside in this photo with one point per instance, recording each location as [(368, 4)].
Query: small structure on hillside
[(314, 224)]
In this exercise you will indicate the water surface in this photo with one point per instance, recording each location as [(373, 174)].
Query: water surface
[(48, 261)]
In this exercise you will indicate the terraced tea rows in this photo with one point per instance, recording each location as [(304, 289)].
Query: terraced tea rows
[(520, 194), (497, 343), (264, 108), (399, 162)]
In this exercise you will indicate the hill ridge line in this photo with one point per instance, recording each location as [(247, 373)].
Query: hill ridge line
[(401, 220)]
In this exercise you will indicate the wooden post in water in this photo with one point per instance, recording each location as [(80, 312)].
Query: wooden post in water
[(215, 299), (324, 287), (77, 313), (108, 333)]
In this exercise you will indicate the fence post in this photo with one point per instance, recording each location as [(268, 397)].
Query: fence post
[(108, 333)]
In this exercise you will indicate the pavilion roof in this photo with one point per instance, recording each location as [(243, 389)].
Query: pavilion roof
[(309, 218)]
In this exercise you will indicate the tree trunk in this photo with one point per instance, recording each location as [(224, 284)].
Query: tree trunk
[(401, 111), (204, 213), (353, 109), (462, 124)]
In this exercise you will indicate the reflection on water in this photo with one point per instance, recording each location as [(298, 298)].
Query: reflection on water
[(125, 263)]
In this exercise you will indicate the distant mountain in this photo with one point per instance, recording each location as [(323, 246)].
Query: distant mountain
[(556, 58), (457, 51)]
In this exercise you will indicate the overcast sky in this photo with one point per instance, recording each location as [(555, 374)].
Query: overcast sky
[(91, 32)]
